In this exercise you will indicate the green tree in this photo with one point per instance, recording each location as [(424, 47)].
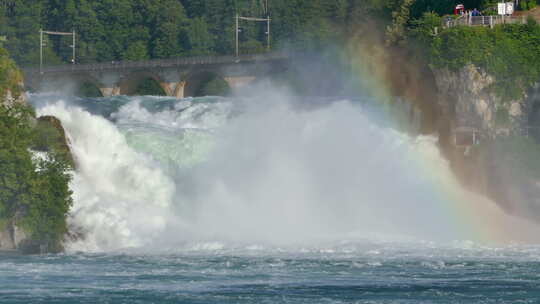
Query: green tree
[(45, 216), (10, 76), (90, 31), (136, 51), (200, 41), (33, 193), (22, 32), (169, 23), (16, 167)]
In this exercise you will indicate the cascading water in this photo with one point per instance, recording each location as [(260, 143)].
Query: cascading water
[(268, 200), (161, 173)]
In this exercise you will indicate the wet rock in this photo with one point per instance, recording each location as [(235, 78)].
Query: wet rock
[(51, 137)]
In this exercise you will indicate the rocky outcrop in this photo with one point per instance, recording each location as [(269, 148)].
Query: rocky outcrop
[(12, 237), (51, 137), (9, 99), (11, 81), (467, 97), (503, 165), (15, 239), (6, 239)]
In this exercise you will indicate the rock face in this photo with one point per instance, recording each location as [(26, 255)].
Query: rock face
[(51, 137), (6, 239), (12, 237), (468, 99), (9, 99)]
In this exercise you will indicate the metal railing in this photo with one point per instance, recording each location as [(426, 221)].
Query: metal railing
[(490, 21), (155, 63)]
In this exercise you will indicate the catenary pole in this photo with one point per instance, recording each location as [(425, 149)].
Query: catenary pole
[(73, 45), (268, 33), (42, 32), (255, 19), (40, 51), (236, 33)]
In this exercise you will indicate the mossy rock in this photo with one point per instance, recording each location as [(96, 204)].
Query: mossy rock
[(51, 137)]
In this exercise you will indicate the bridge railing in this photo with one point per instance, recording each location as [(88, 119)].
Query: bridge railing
[(490, 21), (171, 62)]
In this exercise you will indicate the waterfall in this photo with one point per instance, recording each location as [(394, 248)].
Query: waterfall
[(160, 172)]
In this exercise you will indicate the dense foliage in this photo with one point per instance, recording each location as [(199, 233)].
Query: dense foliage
[(509, 52), (140, 29), (10, 76), (34, 193), (110, 30)]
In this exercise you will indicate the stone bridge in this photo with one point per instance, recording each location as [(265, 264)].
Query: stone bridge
[(178, 77)]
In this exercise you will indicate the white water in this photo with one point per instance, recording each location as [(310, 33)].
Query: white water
[(271, 174)]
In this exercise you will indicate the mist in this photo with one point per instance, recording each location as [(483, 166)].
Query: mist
[(262, 170)]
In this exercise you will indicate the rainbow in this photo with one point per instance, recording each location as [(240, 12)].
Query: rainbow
[(471, 216)]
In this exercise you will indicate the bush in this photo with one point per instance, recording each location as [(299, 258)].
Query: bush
[(149, 87), (35, 194), (527, 4), (509, 52), (214, 87), (10, 76), (88, 90)]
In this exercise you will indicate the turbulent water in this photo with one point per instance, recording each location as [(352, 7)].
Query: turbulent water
[(268, 200), (344, 273)]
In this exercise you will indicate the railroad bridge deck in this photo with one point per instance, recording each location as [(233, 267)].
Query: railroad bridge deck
[(179, 77)]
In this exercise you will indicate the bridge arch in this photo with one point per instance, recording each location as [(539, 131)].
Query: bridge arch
[(146, 82), (88, 86), (205, 83), (117, 78)]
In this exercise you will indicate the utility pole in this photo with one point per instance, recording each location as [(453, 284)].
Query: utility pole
[(236, 32), (268, 33), (264, 5), (73, 45), (40, 51), (267, 20)]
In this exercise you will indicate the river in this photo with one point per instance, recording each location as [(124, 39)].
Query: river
[(268, 200)]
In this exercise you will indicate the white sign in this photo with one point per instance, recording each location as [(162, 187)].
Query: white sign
[(501, 8), (509, 8)]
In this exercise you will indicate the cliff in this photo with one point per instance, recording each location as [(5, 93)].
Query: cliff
[(503, 163), (12, 237), (51, 138), (467, 97)]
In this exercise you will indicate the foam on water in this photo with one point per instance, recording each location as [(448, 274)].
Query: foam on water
[(378, 272)]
